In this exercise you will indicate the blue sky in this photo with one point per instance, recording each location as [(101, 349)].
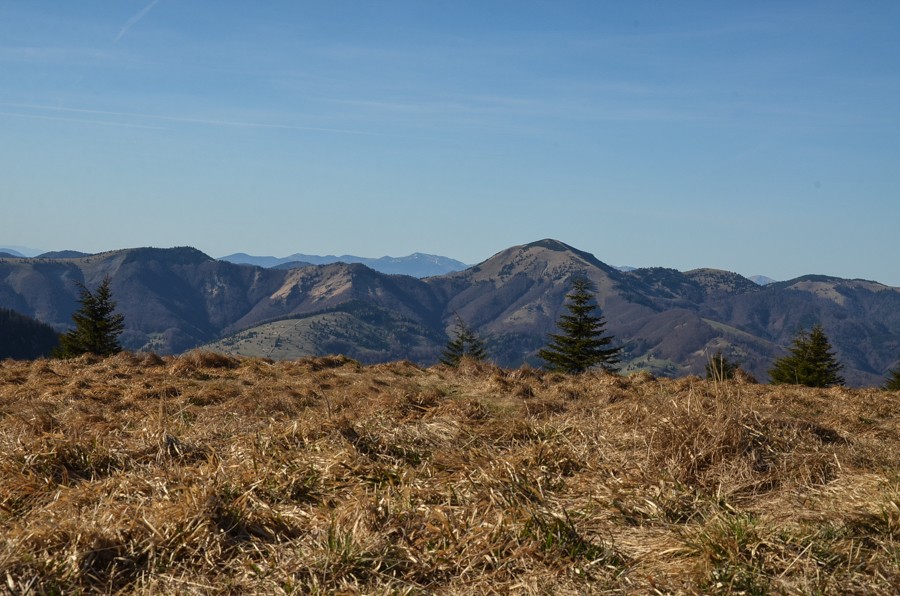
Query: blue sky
[(758, 137)]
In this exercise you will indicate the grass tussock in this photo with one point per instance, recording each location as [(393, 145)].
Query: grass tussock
[(212, 474)]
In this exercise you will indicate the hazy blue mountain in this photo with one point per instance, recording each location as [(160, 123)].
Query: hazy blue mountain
[(241, 258), (21, 251), (417, 264), (761, 280)]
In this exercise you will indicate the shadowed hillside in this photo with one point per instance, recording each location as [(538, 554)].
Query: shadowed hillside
[(23, 338), (148, 475)]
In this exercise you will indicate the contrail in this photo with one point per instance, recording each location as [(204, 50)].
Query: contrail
[(80, 120), (199, 121), (134, 20)]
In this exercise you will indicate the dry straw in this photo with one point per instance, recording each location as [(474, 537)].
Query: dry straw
[(212, 474)]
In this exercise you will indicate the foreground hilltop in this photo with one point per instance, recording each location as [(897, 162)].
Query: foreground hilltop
[(140, 474), (669, 322)]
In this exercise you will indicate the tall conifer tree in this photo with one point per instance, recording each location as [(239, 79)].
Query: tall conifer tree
[(580, 344), (97, 325), (811, 362)]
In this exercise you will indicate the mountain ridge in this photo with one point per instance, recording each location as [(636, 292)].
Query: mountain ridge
[(416, 264), (669, 322)]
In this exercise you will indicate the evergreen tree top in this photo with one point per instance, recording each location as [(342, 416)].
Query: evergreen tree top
[(810, 362)]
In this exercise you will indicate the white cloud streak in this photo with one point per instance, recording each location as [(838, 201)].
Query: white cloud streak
[(134, 20)]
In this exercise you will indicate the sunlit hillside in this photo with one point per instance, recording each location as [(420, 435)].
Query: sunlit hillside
[(211, 474)]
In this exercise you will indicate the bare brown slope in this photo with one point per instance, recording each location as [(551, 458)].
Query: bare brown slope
[(323, 288)]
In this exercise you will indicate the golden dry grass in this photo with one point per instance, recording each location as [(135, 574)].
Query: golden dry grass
[(210, 474)]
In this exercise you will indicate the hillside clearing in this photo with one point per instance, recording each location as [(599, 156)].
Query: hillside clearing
[(211, 474)]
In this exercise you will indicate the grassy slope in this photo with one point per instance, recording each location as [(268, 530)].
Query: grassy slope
[(287, 339), (207, 474)]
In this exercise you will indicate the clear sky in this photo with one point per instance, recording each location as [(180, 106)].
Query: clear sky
[(758, 137)]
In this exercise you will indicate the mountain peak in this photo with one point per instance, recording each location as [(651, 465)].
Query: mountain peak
[(63, 254), (178, 254), (550, 244), (721, 281), (561, 247), (548, 258), (762, 280)]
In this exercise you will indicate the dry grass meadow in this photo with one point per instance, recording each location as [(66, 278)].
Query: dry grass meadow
[(208, 474)]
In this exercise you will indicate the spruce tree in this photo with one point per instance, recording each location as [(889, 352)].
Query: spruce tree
[(811, 362), (97, 325), (580, 344), (893, 382), (466, 343)]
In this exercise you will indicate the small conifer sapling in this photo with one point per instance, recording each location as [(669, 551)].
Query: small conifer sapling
[(465, 344)]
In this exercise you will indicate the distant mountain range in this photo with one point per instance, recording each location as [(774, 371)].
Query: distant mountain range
[(668, 322), (417, 264), (761, 280), (21, 251)]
